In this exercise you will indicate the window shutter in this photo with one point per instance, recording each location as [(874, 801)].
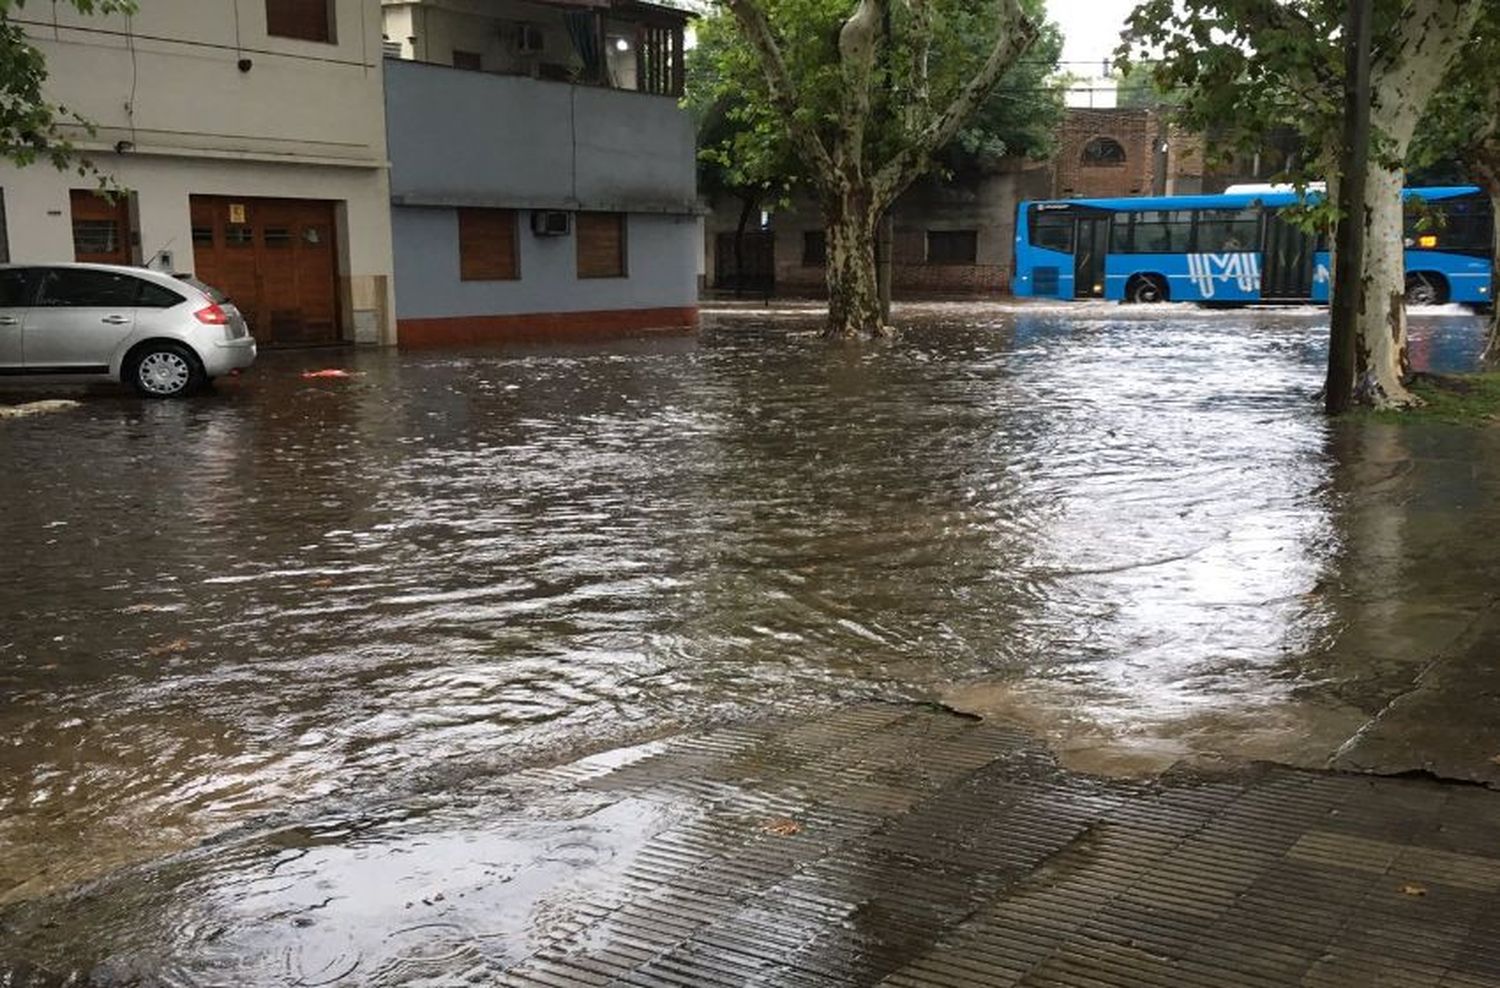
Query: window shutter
[(601, 245), (487, 245)]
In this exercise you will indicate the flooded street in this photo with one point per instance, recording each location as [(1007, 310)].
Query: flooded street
[(338, 608)]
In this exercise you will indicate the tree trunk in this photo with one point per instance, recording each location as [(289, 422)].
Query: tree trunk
[(1487, 171), (1380, 350), (747, 206), (853, 288), (1428, 36)]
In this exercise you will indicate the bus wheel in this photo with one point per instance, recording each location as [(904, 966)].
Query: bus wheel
[(1145, 289), (1426, 289)]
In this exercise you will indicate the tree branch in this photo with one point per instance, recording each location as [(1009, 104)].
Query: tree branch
[(857, 41), (752, 20), (1015, 34)]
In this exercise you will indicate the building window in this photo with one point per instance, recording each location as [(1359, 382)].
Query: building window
[(487, 245), (952, 246), (305, 20), (815, 249), (1103, 152), (601, 245), (470, 60), (95, 237), (101, 227)]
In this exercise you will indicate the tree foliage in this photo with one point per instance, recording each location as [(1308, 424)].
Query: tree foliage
[(1136, 88), (867, 94), (30, 125), (743, 140)]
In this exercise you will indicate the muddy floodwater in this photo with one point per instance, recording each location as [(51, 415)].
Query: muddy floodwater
[(299, 598)]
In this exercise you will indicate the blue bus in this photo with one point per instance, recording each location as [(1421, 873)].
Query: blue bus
[(1235, 248)]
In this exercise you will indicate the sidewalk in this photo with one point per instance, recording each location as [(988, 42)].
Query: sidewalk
[(878, 845), (900, 846)]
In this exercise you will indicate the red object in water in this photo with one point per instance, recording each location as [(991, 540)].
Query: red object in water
[(327, 372)]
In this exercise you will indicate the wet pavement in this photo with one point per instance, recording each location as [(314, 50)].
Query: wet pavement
[(302, 639)]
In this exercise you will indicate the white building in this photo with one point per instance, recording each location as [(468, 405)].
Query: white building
[(250, 135)]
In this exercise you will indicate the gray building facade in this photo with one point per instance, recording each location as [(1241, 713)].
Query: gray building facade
[(543, 178)]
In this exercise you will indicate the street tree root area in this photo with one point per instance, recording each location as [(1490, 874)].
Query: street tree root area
[(912, 846), (1453, 398)]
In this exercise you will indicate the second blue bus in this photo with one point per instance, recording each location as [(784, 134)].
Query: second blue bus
[(1236, 248)]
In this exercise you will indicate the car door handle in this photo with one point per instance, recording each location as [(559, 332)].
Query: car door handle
[(115, 320), (9, 321)]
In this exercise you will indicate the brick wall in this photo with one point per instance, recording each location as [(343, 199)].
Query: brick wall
[(1134, 130)]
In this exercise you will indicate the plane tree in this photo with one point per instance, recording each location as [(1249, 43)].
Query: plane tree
[(1244, 68), (866, 94)]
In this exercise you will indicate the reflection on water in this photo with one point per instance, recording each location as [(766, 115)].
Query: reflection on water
[(310, 592)]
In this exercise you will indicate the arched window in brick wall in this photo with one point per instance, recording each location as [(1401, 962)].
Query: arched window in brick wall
[(1103, 152)]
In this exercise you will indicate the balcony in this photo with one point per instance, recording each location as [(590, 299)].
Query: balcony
[(467, 138), (611, 44)]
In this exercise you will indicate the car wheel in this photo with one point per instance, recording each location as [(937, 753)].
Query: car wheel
[(1147, 289), (165, 370)]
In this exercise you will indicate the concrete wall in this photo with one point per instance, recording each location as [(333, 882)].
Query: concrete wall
[(168, 78), (471, 138), (305, 121), (661, 261)]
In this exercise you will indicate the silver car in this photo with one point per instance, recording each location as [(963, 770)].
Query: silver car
[(165, 335)]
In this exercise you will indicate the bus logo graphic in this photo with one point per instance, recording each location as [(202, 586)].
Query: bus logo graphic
[(1206, 269)]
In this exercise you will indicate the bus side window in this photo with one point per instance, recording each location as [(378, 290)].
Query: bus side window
[(1160, 231), (1224, 231)]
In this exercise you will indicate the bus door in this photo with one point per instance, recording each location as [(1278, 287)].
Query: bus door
[(1090, 246), (1287, 268)]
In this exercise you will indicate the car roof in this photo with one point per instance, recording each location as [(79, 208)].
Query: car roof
[(150, 274)]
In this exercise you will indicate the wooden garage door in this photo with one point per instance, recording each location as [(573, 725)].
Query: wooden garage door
[(276, 259)]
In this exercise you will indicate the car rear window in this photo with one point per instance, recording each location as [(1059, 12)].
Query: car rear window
[(213, 293), (154, 296)]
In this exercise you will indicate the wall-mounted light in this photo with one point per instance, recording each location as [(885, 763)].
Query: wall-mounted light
[(622, 44)]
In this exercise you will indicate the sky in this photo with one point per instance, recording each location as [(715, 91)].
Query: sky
[(1091, 31), (1092, 28)]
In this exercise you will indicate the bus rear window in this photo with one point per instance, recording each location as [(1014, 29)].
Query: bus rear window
[(1052, 231)]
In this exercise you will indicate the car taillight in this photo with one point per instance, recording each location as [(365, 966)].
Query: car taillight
[(212, 316)]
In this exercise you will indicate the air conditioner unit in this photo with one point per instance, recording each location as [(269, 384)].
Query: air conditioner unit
[(551, 223), (529, 39)]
